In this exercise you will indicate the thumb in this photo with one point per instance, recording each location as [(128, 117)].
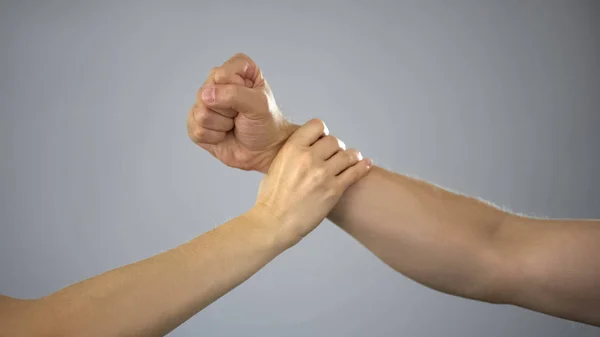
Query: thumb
[(251, 102)]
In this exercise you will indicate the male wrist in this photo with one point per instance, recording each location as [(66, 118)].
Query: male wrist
[(287, 129)]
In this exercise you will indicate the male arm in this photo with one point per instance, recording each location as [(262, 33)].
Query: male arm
[(446, 241), (466, 247)]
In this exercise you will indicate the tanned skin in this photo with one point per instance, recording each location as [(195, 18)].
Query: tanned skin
[(446, 241)]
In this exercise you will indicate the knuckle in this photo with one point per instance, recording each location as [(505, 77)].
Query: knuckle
[(318, 123), (352, 156), (200, 115), (319, 175), (332, 192), (348, 158), (195, 134), (219, 74), (226, 93), (240, 55), (198, 134), (305, 159)]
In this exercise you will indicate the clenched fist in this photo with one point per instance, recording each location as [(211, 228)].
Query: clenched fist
[(236, 118)]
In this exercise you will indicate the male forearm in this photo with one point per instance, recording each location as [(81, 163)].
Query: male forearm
[(155, 295), (435, 237), (466, 247)]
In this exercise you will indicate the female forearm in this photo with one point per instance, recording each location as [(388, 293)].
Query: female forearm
[(153, 296)]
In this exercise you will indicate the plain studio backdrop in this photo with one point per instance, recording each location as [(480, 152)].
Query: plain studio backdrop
[(497, 99)]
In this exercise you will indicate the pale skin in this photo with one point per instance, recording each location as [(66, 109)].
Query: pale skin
[(153, 296), (449, 242)]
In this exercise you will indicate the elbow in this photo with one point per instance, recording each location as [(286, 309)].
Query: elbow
[(496, 280), (501, 271), (494, 274)]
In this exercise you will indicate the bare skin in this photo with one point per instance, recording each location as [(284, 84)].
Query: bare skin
[(153, 296), (449, 242)]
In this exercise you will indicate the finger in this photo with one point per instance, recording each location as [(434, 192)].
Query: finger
[(309, 133), (211, 120), (207, 97), (231, 97), (327, 146), (206, 93), (243, 66), (354, 173), (343, 160), (206, 136), (240, 70), (231, 75), (200, 135)]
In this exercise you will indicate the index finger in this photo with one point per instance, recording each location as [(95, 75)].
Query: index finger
[(309, 133), (239, 67)]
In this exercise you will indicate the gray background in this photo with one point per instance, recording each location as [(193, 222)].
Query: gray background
[(496, 99)]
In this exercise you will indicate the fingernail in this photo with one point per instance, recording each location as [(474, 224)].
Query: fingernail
[(369, 162), (208, 94), (359, 156), (325, 130)]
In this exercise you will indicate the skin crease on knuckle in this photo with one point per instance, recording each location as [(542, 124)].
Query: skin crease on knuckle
[(200, 116), (319, 176), (352, 157), (200, 135)]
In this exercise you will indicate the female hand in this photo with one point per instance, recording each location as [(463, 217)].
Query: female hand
[(307, 178)]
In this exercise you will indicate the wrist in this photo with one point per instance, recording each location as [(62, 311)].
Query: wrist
[(273, 227), (286, 130)]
